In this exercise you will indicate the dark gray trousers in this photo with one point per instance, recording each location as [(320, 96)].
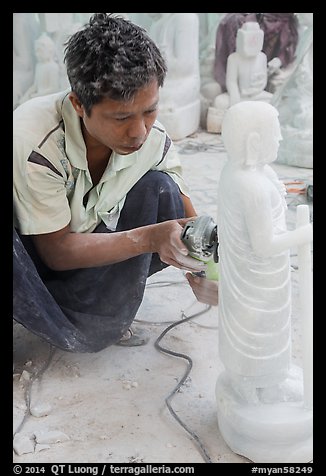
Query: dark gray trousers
[(86, 310)]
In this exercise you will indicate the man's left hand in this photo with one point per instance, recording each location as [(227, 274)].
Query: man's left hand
[(206, 291)]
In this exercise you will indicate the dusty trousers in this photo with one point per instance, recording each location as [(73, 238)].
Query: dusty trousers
[(86, 310)]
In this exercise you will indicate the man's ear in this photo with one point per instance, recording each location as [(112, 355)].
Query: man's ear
[(253, 147), (77, 105)]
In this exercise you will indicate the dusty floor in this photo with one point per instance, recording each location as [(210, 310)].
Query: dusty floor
[(110, 406)]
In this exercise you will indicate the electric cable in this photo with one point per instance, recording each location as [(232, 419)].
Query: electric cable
[(168, 399), (159, 284), (164, 283), (183, 315)]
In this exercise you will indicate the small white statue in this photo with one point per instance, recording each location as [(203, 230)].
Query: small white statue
[(46, 79), (246, 74), (177, 36), (255, 288)]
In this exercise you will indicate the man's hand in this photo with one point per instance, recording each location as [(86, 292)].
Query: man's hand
[(206, 291), (167, 243)]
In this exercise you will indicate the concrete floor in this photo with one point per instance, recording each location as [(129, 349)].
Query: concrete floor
[(110, 406)]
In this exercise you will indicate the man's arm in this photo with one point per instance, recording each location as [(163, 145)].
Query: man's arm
[(64, 250)]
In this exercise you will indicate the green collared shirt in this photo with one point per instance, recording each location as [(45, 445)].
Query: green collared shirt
[(51, 175)]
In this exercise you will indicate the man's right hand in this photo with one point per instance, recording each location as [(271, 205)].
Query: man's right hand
[(166, 241)]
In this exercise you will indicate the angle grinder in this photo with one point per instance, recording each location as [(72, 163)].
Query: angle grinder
[(201, 239)]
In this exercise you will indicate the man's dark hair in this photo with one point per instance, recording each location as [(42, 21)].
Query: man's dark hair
[(111, 58)]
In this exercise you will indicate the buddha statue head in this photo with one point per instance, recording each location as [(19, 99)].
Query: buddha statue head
[(250, 39)]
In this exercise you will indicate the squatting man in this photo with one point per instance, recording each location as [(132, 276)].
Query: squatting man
[(99, 197)]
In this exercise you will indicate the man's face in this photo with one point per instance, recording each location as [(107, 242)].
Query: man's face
[(122, 126)]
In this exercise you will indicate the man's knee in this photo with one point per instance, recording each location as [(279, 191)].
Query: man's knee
[(154, 198), (160, 181), (162, 187)]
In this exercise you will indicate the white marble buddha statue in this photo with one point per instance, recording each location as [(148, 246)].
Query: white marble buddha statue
[(47, 74), (246, 75), (177, 36), (255, 287)]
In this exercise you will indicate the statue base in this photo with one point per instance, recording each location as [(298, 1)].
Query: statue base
[(278, 432), (182, 121)]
